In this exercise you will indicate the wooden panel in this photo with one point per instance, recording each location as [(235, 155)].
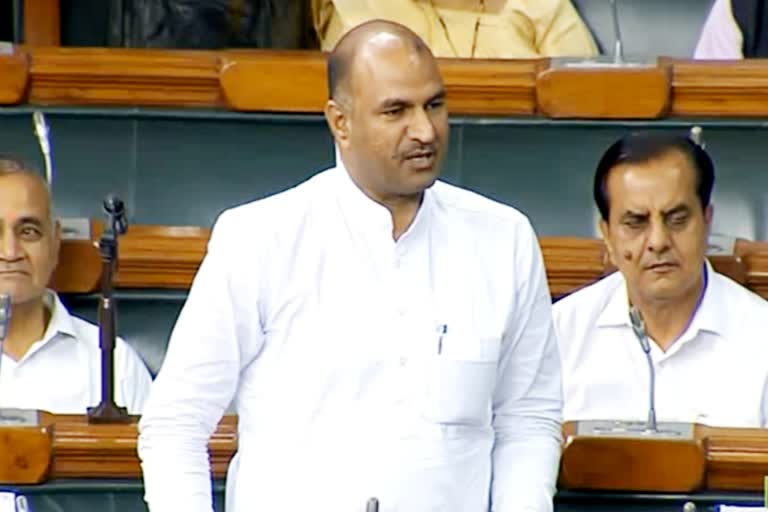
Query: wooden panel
[(723, 88), (25, 454), (83, 450), (99, 76), (169, 256), (735, 459), (296, 82), (573, 262), (42, 22), (638, 465), (491, 86), (274, 81), (158, 256), (14, 73), (79, 268), (604, 93)]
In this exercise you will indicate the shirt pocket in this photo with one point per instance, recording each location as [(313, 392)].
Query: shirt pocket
[(460, 380)]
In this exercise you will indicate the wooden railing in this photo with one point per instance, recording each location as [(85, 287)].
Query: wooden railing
[(168, 257), (294, 81), (731, 459)]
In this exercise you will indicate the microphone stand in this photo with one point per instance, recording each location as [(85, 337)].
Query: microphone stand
[(108, 411), (638, 326)]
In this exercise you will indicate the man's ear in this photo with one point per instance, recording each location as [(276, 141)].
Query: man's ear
[(336, 115), (709, 212)]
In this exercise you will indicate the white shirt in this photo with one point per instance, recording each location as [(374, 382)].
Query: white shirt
[(326, 331), (721, 37), (61, 373), (716, 373)]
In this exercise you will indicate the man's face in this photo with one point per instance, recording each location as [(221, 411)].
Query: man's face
[(397, 120), (29, 239), (657, 232)]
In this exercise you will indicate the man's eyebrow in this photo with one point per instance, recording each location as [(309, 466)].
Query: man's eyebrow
[(29, 219), (680, 208), (394, 102), (439, 95)]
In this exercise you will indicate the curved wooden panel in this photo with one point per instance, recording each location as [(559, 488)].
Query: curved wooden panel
[(274, 81), (14, 73), (83, 450), (116, 76), (79, 268), (604, 93), (296, 82)]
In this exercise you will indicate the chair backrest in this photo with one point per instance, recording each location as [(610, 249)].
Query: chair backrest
[(649, 28), (145, 319)]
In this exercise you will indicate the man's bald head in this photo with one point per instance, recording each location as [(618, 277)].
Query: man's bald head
[(349, 47), (10, 165)]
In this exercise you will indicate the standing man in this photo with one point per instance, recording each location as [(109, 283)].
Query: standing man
[(382, 334)]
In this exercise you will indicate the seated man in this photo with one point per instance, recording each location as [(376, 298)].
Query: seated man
[(493, 29), (50, 360), (734, 30), (707, 333)]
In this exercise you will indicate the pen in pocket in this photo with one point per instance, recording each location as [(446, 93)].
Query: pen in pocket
[(441, 332)]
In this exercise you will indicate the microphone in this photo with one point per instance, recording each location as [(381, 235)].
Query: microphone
[(618, 49), (638, 327), (115, 208), (42, 131)]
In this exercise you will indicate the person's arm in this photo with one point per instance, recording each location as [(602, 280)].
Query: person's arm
[(213, 337), (560, 31), (132, 378), (528, 397), (721, 37)]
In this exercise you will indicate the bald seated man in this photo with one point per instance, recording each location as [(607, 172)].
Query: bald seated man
[(383, 334), (486, 29), (50, 359)]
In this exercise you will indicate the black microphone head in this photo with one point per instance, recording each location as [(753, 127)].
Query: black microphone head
[(113, 205)]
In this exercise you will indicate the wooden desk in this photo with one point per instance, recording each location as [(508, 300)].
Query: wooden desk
[(266, 80)]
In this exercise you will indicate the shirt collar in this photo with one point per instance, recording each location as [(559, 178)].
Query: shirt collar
[(60, 325), (706, 317), (366, 215)]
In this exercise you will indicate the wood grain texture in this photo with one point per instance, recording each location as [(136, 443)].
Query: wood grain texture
[(297, 82), (294, 81), (169, 256), (79, 268), (42, 22), (14, 76), (117, 76), (735, 459), (604, 93), (158, 256), (83, 450), (638, 465), (274, 81), (25, 454), (722, 88)]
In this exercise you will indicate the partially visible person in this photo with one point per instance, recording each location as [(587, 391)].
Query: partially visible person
[(50, 359), (706, 332), (735, 29), (491, 29)]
